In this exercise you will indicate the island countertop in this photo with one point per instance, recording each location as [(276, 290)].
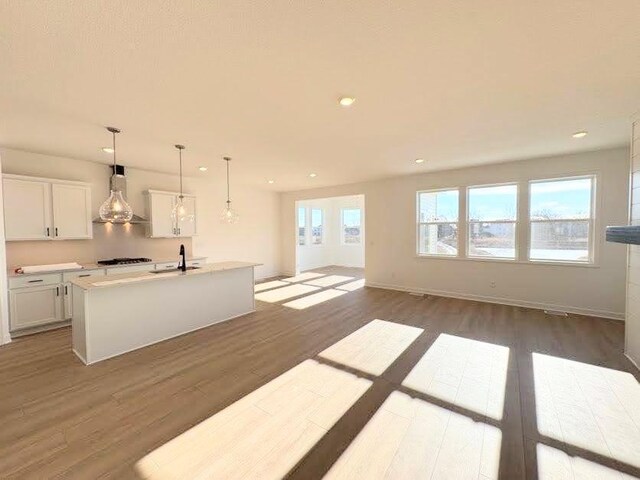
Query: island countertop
[(89, 283)]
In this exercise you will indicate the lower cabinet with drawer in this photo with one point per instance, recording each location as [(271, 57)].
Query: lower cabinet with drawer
[(35, 306), (37, 300)]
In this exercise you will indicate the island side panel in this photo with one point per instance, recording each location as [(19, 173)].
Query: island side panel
[(129, 316), (78, 326)]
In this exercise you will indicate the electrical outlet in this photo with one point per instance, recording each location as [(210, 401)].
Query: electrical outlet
[(492, 284)]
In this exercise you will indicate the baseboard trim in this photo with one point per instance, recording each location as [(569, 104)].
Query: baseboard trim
[(635, 364), (500, 301)]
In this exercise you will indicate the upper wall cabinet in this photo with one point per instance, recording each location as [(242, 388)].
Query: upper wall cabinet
[(46, 209), (159, 212)]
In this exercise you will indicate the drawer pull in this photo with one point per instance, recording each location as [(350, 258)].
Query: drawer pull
[(35, 281), (85, 275), (57, 291)]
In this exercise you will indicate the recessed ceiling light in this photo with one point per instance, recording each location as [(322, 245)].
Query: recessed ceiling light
[(271, 181), (107, 149), (313, 175), (346, 101), (579, 134), (419, 160), (203, 169)]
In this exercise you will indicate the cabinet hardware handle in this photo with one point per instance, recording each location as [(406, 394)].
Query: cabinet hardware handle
[(35, 281), (56, 231), (47, 231), (66, 292), (57, 291), (85, 275)]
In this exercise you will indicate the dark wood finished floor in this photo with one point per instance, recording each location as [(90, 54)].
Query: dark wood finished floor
[(62, 419)]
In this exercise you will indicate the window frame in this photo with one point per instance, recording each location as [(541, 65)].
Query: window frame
[(516, 224), (342, 227), (592, 221), (323, 234), (306, 227), (419, 224)]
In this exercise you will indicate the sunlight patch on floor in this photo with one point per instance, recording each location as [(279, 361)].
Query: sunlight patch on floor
[(373, 347), (284, 293), (303, 276), (409, 438), (268, 285), (264, 434), (554, 464), (467, 373), (591, 407), (352, 286), (314, 299), (329, 281)]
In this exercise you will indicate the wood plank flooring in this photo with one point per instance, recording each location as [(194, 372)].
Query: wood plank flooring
[(498, 375)]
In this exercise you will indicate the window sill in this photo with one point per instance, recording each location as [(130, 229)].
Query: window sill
[(508, 261)]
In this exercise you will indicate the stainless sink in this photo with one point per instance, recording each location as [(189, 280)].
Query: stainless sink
[(172, 270)]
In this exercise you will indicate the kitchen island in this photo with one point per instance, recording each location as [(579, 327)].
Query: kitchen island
[(130, 311)]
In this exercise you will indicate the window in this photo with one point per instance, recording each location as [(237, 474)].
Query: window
[(302, 226), (317, 229), (438, 222), (492, 213), (351, 226), (561, 216)]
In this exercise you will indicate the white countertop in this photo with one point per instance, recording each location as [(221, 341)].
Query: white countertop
[(94, 266), (89, 283)]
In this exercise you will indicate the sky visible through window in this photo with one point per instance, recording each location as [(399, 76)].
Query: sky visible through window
[(561, 199), (351, 217)]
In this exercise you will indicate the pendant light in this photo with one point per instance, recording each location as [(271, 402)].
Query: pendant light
[(115, 209), (180, 212), (228, 214)]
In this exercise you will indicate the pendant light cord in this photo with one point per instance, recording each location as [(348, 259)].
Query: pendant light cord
[(181, 174), (113, 133), (228, 189)]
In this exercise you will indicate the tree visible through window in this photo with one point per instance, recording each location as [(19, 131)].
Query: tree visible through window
[(561, 217), (492, 214), (438, 222), (302, 226), (351, 226), (317, 228)]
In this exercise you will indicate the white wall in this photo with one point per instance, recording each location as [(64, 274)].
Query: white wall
[(391, 260), (254, 238), (332, 251)]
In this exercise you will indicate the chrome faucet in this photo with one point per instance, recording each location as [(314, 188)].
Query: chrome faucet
[(182, 264)]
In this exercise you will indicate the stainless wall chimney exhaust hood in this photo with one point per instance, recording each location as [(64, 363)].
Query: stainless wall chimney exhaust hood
[(118, 181)]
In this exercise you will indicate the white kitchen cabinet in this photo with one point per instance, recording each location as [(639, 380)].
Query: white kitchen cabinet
[(67, 300), (46, 209), (34, 306), (27, 209), (159, 212), (71, 211)]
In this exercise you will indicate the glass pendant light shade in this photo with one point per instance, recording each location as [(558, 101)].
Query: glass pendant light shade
[(115, 209), (181, 212), (229, 215)]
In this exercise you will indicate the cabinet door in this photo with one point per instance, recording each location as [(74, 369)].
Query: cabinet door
[(71, 212), (161, 207), (187, 228), (68, 300), (27, 209), (33, 306)]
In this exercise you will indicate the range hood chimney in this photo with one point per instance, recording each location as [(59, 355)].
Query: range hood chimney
[(118, 182)]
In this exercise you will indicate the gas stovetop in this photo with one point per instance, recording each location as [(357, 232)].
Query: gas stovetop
[(124, 261)]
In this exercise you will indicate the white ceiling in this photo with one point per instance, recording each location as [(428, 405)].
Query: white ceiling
[(457, 82)]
